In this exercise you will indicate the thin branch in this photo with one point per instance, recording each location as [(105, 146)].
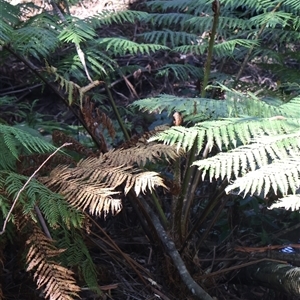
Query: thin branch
[(26, 183)]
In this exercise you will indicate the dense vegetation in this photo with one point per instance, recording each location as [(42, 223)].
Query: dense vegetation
[(106, 195)]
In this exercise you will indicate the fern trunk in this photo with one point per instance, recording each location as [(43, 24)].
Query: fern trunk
[(278, 276)]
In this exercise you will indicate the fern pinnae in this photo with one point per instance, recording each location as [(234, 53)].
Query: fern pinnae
[(57, 281), (122, 46), (289, 202), (274, 175), (106, 17), (168, 37)]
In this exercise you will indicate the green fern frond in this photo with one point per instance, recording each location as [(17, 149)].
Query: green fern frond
[(195, 49), (280, 176), (16, 141), (169, 37), (54, 208), (98, 63), (181, 72), (289, 202), (9, 14), (171, 103), (117, 17), (226, 24), (77, 31), (6, 32), (227, 48), (225, 134), (272, 19), (289, 5), (235, 105), (255, 155), (122, 46), (77, 255), (252, 5), (36, 41), (169, 19), (177, 5)]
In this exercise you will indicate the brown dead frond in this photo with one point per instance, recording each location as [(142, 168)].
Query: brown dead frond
[(93, 182), (59, 138), (142, 154), (97, 121), (83, 192), (56, 281)]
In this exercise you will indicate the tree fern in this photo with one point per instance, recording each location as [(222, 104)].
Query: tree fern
[(9, 14), (26, 39), (226, 134), (261, 152), (168, 37)]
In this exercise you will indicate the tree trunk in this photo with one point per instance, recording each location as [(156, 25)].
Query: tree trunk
[(277, 276)]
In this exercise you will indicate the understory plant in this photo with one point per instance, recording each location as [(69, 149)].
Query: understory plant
[(239, 143)]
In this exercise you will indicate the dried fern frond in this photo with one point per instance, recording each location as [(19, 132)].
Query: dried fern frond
[(92, 183), (97, 121), (56, 281), (81, 192), (143, 154)]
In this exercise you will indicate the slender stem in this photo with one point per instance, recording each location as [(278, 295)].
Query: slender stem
[(42, 222), (159, 210), (185, 185), (212, 202), (117, 114), (216, 9)]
